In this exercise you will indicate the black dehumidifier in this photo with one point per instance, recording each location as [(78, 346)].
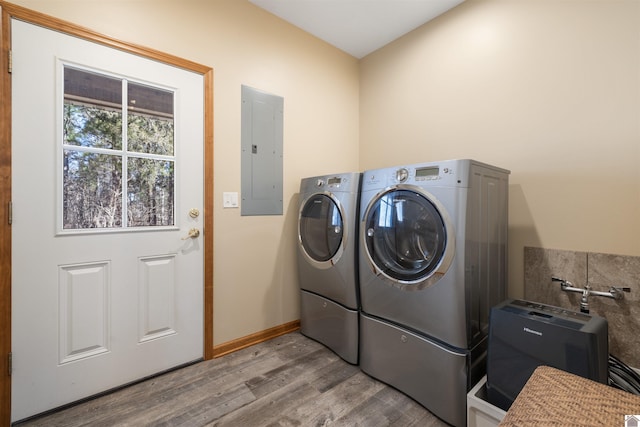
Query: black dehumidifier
[(524, 335)]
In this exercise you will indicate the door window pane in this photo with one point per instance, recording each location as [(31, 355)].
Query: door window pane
[(150, 192), (150, 127), (90, 126), (147, 134), (107, 160), (92, 190)]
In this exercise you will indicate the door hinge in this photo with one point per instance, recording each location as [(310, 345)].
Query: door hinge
[(10, 363), (10, 58), (10, 213)]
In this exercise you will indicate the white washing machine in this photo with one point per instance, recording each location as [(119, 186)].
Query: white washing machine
[(327, 261), (432, 262)]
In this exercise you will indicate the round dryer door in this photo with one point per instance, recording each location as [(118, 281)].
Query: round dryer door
[(321, 228), (406, 237)]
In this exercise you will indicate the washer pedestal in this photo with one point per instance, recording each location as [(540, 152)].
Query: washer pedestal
[(435, 376), (330, 324)]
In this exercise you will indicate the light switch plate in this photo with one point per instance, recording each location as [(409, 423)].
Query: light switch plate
[(230, 200)]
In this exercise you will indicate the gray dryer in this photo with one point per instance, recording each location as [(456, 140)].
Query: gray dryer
[(327, 261)]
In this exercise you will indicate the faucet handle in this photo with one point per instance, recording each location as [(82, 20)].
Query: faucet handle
[(617, 293)]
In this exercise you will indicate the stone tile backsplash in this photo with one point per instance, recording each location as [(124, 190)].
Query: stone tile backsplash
[(601, 272)]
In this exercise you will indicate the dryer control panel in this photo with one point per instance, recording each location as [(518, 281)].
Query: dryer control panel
[(334, 182), (331, 182), (343, 183)]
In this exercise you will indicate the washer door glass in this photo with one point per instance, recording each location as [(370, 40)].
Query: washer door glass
[(405, 235), (321, 227)]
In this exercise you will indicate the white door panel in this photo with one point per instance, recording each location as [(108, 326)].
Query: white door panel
[(92, 311)]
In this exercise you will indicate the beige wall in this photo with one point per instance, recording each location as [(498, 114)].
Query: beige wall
[(255, 275), (548, 89)]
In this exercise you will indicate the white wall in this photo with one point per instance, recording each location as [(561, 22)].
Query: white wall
[(546, 88), (255, 278)]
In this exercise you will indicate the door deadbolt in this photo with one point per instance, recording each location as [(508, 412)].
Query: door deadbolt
[(194, 213)]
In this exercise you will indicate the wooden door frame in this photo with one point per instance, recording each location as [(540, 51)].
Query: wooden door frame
[(11, 11)]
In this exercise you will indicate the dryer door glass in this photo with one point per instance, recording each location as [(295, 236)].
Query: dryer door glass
[(321, 227), (405, 235)]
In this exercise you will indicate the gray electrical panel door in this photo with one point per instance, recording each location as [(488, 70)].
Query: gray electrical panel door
[(262, 127)]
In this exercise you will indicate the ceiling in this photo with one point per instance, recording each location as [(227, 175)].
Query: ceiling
[(357, 27)]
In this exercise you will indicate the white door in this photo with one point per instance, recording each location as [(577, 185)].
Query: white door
[(101, 294)]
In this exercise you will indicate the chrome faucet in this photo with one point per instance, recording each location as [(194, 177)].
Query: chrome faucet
[(616, 293)]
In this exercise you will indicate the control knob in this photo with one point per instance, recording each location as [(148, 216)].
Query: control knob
[(402, 175)]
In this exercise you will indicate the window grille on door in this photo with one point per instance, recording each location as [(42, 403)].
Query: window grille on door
[(118, 153)]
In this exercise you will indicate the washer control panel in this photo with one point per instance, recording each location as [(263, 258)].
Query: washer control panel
[(442, 174), (418, 174)]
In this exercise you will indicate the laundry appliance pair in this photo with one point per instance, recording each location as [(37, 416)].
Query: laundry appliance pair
[(431, 262)]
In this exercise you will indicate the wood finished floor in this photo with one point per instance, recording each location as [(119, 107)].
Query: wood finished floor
[(288, 381)]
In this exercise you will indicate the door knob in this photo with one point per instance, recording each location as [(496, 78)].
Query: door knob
[(193, 233)]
